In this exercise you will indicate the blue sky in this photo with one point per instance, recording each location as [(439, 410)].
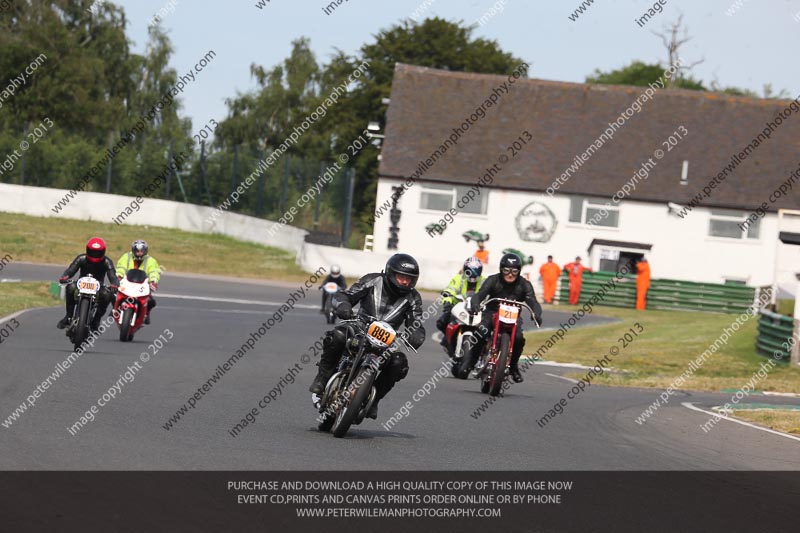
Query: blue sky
[(752, 47)]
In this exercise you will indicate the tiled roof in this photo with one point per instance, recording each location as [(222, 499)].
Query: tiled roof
[(565, 118)]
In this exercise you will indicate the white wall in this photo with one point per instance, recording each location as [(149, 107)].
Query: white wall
[(101, 207), (682, 248), (434, 272)]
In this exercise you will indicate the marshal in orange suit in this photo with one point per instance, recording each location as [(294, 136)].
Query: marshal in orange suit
[(575, 271), (642, 283), (550, 273)]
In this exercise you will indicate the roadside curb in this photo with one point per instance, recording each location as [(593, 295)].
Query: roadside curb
[(758, 407), (4, 319), (765, 393)]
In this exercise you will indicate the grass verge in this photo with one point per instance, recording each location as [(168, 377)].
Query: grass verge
[(18, 296), (787, 421), (59, 240), (662, 352)]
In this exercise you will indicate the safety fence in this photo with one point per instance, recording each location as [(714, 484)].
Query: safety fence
[(774, 334), (665, 294)]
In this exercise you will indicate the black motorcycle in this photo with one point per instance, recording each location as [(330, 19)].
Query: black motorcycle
[(350, 392), (88, 289)]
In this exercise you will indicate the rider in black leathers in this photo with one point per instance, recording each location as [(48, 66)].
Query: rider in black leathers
[(510, 285), (390, 296), (336, 277), (96, 263)]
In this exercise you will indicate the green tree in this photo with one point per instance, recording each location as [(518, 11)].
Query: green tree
[(289, 92), (435, 43), (91, 87), (641, 74)]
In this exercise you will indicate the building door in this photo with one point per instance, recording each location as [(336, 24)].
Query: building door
[(628, 259)]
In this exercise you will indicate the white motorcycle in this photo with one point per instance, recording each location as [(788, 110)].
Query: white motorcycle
[(330, 289), (459, 335)]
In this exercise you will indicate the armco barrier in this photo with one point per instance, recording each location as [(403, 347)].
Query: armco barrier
[(101, 207), (773, 331), (624, 295), (665, 294)]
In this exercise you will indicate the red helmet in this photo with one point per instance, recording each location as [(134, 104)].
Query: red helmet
[(95, 249)]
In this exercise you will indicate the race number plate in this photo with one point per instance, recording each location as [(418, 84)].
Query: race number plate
[(508, 313), (88, 285), (381, 332), (331, 287)]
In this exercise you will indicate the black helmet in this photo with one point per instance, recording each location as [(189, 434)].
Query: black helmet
[(401, 264), (139, 249), (510, 261)]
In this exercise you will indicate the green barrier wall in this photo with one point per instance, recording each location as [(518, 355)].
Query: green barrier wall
[(664, 294), (773, 331)]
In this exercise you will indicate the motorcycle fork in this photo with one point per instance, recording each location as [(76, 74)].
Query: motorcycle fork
[(459, 342), (493, 348)]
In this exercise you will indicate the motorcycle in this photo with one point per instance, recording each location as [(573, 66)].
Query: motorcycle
[(493, 365), (459, 334), (330, 289), (85, 308), (130, 307), (350, 392)]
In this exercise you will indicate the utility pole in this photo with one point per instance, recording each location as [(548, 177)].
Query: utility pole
[(351, 175), (110, 162), (319, 197)]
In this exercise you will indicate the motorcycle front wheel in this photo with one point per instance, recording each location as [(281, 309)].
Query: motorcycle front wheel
[(499, 370), (82, 329), (467, 362), (347, 416), (125, 327)]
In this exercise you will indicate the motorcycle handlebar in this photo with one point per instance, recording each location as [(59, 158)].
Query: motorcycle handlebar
[(365, 319), (510, 302)]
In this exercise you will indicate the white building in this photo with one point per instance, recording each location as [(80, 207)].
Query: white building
[(666, 152)]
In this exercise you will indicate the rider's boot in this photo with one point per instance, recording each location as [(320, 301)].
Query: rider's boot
[(516, 375), (326, 368), (64, 322)]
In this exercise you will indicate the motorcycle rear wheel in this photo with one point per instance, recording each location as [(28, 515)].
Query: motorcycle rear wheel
[(326, 424)]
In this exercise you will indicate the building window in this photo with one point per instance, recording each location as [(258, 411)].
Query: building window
[(436, 197), (732, 225), (593, 212)]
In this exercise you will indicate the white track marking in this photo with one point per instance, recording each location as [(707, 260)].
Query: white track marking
[(788, 394), (564, 365), (562, 377), (232, 300), (5, 319), (689, 405)]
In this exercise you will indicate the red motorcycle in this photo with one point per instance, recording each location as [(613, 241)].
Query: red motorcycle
[(130, 307), (494, 363)]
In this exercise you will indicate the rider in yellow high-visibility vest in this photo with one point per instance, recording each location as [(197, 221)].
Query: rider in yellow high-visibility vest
[(138, 259), (468, 280)]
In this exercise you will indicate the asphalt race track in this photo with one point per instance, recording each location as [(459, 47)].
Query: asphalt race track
[(211, 318)]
